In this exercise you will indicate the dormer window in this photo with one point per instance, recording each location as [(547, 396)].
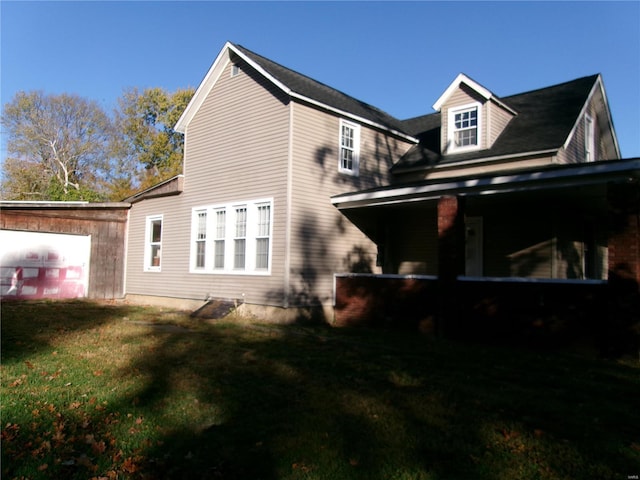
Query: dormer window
[(464, 127)]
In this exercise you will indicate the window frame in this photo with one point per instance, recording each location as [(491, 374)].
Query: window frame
[(452, 130), (149, 244), (251, 236), (590, 149), (355, 160)]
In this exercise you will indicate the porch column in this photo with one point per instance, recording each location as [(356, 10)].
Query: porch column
[(619, 334), (450, 259), (624, 233)]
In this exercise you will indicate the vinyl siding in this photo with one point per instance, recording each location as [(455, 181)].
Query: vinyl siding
[(323, 241), (574, 153), (496, 121), (236, 151)]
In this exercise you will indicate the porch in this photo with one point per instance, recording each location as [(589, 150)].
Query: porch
[(542, 256)]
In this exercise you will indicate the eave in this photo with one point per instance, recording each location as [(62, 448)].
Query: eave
[(219, 65), (563, 176)]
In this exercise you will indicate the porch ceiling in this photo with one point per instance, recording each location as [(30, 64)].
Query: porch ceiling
[(545, 178)]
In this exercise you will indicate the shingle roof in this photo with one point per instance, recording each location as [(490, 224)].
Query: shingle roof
[(319, 92), (545, 118)]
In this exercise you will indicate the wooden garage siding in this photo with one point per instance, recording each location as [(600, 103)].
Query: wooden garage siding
[(236, 150), (106, 223), (323, 240)]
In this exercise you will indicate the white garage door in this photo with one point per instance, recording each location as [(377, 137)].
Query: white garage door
[(43, 265)]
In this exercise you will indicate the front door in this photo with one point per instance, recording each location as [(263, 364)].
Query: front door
[(473, 246)]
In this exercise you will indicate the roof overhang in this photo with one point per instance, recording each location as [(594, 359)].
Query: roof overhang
[(562, 176), (475, 86), (166, 188), (598, 86), (218, 67)]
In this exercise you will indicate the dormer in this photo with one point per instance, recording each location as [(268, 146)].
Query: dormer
[(472, 116)]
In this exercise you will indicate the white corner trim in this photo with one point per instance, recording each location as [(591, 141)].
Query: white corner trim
[(461, 78)]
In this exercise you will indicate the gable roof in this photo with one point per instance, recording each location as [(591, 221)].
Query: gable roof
[(297, 86), (479, 89), (545, 120)]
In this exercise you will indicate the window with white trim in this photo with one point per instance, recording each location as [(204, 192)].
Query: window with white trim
[(219, 238), (236, 238), (349, 161), (240, 238), (153, 243), (589, 139), (464, 130), (201, 239), (263, 236)]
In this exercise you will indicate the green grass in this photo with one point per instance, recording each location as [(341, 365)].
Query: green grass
[(113, 391)]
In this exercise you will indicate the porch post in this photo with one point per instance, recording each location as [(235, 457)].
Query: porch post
[(450, 258), (619, 334), (624, 233)]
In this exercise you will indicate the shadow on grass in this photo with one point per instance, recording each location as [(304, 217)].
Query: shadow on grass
[(29, 325), (265, 402), (334, 404)]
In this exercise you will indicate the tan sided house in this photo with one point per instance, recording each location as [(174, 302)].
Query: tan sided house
[(288, 182)]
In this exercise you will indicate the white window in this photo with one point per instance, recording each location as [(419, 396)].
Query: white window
[(464, 130), (240, 239), (218, 242), (262, 237), (201, 239), (153, 243), (238, 235), (349, 161), (589, 139), (235, 70)]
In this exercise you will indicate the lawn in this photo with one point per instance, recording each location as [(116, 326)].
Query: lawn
[(114, 391)]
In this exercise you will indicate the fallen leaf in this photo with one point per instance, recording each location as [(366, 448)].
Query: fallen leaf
[(74, 405), (43, 467), (29, 365)]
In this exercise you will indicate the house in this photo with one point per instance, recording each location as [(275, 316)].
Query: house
[(288, 182)]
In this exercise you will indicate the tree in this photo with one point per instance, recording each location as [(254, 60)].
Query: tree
[(145, 121), (58, 148)]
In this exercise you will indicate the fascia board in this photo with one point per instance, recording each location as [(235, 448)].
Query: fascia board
[(609, 117), (597, 85), (203, 89), (215, 71), (461, 78), (352, 116), (582, 175), (212, 77), (581, 114)]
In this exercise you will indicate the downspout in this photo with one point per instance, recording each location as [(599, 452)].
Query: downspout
[(289, 207)]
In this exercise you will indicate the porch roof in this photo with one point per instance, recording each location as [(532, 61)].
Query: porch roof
[(548, 177)]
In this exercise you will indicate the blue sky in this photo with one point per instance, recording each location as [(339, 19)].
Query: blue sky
[(397, 56)]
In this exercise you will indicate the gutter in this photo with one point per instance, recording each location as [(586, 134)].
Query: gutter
[(582, 175)]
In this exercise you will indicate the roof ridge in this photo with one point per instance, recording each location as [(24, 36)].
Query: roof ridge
[(557, 85)]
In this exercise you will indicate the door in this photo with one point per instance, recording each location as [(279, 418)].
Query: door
[(473, 246)]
